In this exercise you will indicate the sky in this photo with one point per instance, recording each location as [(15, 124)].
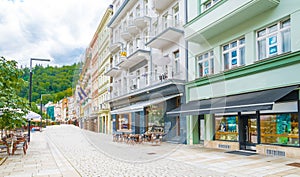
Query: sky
[(59, 30)]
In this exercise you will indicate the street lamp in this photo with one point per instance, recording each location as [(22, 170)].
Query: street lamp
[(30, 87), (41, 107)]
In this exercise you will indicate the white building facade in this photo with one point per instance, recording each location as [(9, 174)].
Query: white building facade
[(147, 66)]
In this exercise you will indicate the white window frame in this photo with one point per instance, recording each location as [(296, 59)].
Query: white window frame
[(155, 28), (138, 78), (206, 60), (130, 48), (146, 7), (176, 62), (176, 15), (124, 28), (138, 11), (146, 68), (165, 20), (209, 4), (272, 35), (130, 19), (234, 51)]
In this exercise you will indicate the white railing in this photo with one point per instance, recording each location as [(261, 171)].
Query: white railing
[(165, 24)]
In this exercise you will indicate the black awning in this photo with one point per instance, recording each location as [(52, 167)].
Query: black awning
[(253, 101)]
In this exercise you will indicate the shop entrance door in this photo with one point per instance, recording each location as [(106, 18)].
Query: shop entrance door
[(248, 132)]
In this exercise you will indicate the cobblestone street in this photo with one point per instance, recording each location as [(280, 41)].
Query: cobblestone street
[(93, 156), (69, 151)]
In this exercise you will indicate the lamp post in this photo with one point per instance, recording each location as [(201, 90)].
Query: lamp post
[(30, 87), (41, 107)]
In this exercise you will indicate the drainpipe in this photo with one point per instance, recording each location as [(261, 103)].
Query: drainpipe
[(186, 42)]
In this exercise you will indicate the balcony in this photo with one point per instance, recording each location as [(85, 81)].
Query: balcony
[(141, 22), (133, 87), (103, 108), (225, 16), (121, 12), (112, 71), (132, 29), (141, 19), (166, 38), (161, 5), (114, 47), (166, 34), (135, 58), (125, 35)]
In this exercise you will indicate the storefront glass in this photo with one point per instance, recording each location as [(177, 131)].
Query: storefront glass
[(123, 122), (226, 128), (156, 118), (279, 129)]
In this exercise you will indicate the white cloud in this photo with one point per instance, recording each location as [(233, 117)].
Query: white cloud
[(56, 29)]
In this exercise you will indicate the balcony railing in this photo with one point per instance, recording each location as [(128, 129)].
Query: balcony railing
[(161, 5), (166, 32), (142, 83), (112, 70), (141, 18), (125, 35)]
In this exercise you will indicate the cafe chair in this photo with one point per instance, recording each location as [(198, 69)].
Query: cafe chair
[(4, 147), (20, 143)]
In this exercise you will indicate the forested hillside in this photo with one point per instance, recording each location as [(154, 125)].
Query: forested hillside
[(59, 82)]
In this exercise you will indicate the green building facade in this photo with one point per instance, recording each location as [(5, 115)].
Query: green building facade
[(243, 68)]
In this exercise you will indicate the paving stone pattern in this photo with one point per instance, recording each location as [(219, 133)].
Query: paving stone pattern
[(68, 151), (91, 160)]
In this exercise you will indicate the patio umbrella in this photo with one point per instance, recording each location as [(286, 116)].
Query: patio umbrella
[(33, 116)]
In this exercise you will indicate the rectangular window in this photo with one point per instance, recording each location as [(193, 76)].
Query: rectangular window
[(146, 36), (279, 129), (123, 122), (165, 21), (177, 62), (234, 54), (146, 10), (205, 64), (226, 128), (138, 78), (130, 19), (274, 40), (155, 28), (208, 4), (176, 15), (155, 73), (138, 11), (146, 75)]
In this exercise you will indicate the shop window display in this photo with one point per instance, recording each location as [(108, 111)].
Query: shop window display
[(123, 122), (226, 128), (155, 118), (280, 129)]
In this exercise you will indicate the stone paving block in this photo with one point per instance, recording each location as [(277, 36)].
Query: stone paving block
[(92, 157), (292, 175), (28, 174)]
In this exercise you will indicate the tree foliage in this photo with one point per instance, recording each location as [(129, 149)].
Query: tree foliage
[(12, 107), (56, 81)]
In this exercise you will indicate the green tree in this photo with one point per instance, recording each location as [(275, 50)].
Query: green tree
[(57, 81), (13, 107)]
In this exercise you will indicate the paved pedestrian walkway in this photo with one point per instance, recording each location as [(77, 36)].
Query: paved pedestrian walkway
[(42, 159), (69, 151)]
